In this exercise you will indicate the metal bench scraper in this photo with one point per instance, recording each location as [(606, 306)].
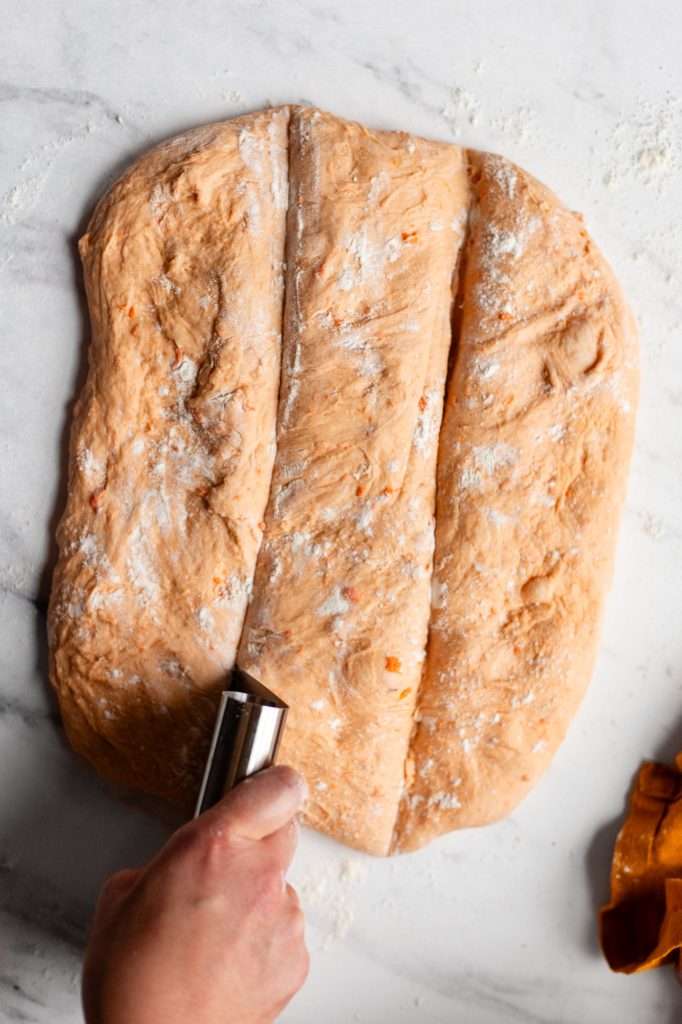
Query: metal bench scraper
[(246, 737)]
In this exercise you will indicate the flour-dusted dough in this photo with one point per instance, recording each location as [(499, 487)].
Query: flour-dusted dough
[(172, 448), (532, 467), (422, 699), (339, 616)]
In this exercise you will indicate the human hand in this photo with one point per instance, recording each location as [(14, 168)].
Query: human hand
[(209, 931)]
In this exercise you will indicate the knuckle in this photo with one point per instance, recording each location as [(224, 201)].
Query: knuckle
[(268, 886), (112, 881), (293, 896), (113, 892), (206, 844), (114, 884), (195, 853)]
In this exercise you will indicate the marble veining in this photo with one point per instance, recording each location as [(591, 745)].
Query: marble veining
[(484, 927)]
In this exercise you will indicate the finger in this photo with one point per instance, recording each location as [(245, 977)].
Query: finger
[(119, 885), (282, 845), (113, 892), (256, 808), (259, 806)]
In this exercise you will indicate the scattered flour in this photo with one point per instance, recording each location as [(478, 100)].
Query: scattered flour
[(336, 604), (556, 432), (490, 458), (652, 525), (160, 199), (363, 520), (250, 152), (329, 894), (368, 360), (205, 619), (169, 286), (22, 198), (278, 162), (367, 259), (646, 147), (185, 375), (500, 242), (462, 108), (92, 468), (486, 369), (141, 570), (498, 518), (377, 186), (428, 422), (504, 173), (445, 801)]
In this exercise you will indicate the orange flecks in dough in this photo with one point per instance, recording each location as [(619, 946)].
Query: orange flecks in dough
[(380, 349), (351, 594), (641, 926), (95, 499)]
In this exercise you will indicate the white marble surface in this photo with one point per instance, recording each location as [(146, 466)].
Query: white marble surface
[(483, 927)]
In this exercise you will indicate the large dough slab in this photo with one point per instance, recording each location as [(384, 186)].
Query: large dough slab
[(212, 511)]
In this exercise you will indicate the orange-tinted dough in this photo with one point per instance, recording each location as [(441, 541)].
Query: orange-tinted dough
[(415, 271)]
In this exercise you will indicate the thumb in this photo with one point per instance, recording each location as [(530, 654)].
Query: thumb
[(260, 805)]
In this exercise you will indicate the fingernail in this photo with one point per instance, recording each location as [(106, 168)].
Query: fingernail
[(297, 781)]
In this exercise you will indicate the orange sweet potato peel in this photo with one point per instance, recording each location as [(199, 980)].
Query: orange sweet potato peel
[(641, 926)]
